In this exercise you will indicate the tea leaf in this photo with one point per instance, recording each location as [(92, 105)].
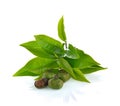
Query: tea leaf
[(92, 69), (50, 45), (66, 66), (61, 32), (35, 66), (79, 75), (83, 61), (86, 60), (72, 52), (36, 49)]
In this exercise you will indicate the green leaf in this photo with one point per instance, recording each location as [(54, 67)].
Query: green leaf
[(36, 66), (50, 45), (79, 75), (36, 49), (84, 60), (25, 73), (66, 66), (61, 32), (92, 69), (72, 52)]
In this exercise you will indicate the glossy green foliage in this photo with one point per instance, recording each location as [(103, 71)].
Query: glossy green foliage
[(52, 55)]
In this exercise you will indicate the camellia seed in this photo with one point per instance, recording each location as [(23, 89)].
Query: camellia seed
[(64, 76), (41, 83), (55, 83), (49, 74)]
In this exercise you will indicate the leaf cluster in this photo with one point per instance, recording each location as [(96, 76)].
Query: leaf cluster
[(53, 54)]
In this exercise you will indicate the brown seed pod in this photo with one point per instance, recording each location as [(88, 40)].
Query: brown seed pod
[(41, 83), (45, 80)]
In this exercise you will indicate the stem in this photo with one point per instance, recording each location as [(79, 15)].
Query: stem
[(65, 45)]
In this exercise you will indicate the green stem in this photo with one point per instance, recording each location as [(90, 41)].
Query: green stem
[(65, 45)]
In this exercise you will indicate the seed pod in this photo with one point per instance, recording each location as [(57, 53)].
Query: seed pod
[(64, 76), (41, 83), (55, 83), (49, 74)]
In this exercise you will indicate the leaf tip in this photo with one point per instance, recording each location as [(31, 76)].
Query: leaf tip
[(105, 68), (88, 81), (14, 75), (62, 17), (35, 36), (21, 44)]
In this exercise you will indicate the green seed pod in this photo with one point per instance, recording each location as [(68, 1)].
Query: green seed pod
[(55, 83), (49, 74), (64, 76)]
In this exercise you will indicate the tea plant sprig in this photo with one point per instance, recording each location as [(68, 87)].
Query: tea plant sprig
[(52, 54)]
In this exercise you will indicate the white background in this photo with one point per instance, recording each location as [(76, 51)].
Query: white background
[(91, 25)]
